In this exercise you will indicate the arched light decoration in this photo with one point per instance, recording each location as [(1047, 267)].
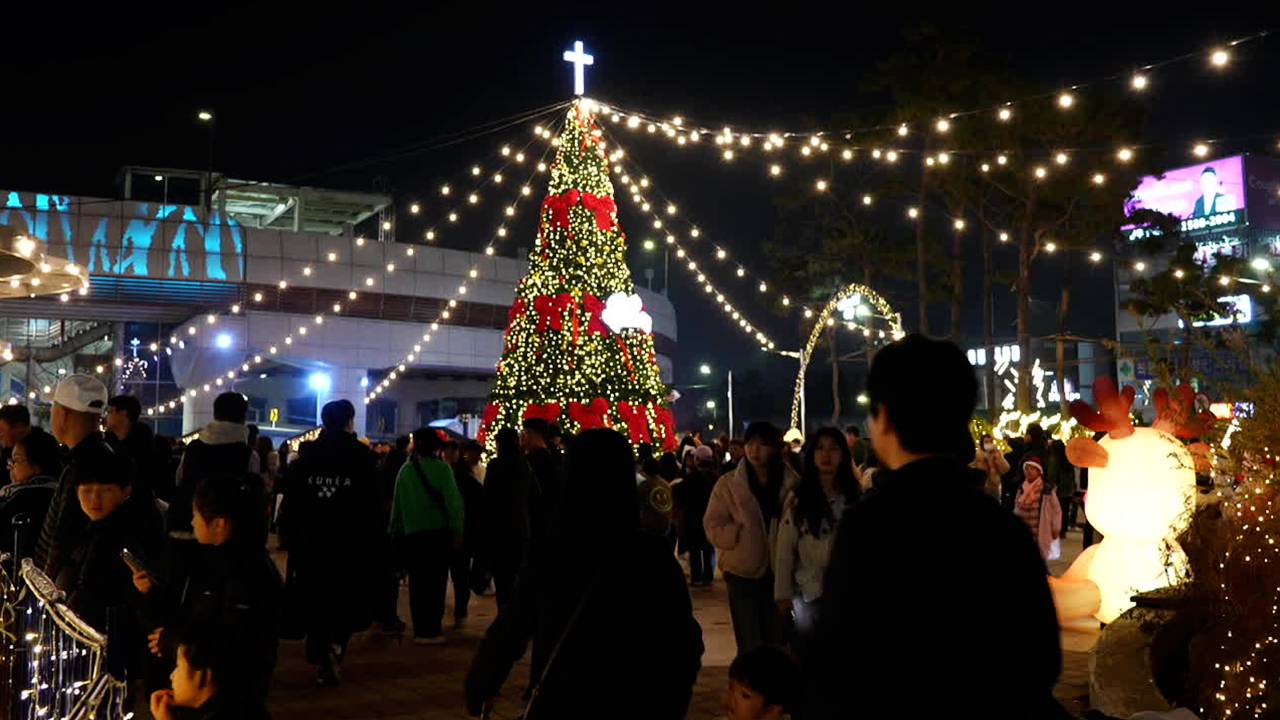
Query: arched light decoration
[(883, 311)]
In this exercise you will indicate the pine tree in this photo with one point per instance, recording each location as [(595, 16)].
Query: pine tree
[(578, 350)]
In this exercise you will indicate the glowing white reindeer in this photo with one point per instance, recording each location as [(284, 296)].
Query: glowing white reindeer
[(1141, 488)]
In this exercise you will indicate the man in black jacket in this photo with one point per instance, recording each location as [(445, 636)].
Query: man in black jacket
[(331, 515), (133, 439), (544, 490), (222, 449), (908, 628)]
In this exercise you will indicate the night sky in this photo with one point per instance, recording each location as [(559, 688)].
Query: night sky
[(335, 102)]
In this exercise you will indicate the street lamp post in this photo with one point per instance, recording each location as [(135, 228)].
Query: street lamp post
[(650, 246), (206, 117), (705, 369)]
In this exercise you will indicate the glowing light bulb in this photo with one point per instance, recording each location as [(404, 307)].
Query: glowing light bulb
[(1124, 155), (728, 154), (944, 158), (943, 125), (1060, 158), (475, 170), (444, 189), (1219, 58), (821, 185), (1099, 178), (1066, 100), (1004, 114), (1050, 247), (1095, 256), (1041, 172), (1138, 82), (866, 199), (1200, 150), (958, 224), (1179, 273), (913, 213), (1004, 237), (414, 208), (775, 170), (1140, 266), (902, 130), (1002, 159)]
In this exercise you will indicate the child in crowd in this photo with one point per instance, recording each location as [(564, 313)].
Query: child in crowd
[(208, 681), (763, 683)]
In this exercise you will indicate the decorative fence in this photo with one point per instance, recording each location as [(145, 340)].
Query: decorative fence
[(53, 665)]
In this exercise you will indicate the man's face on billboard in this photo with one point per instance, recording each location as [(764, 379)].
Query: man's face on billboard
[(1209, 183)]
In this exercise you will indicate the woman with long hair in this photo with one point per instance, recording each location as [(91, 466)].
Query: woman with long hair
[(426, 522), (604, 603), (742, 523), (810, 516)]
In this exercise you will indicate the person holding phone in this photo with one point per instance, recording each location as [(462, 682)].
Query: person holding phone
[(235, 587)]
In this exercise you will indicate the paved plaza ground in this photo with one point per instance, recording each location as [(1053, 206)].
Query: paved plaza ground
[(385, 677)]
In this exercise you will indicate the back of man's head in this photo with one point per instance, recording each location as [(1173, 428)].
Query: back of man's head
[(336, 416), (929, 390), (128, 404), (537, 426), (230, 407), (15, 415), (853, 431)]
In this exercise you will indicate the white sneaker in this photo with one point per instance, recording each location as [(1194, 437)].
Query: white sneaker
[(434, 640)]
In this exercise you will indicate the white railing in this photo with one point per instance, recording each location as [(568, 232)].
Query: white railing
[(54, 663)]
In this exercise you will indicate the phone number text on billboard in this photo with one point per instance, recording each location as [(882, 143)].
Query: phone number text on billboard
[(1217, 221)]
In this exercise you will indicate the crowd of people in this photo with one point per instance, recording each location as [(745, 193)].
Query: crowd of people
[(850, 592)]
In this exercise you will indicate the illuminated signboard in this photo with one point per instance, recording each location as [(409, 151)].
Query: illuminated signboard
[(1206, 197), (1241, 311), (135, 239)]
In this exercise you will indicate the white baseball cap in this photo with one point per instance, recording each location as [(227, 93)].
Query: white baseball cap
[(83, 393)]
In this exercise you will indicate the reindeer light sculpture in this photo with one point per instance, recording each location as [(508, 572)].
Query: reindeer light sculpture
[(1141, 489)]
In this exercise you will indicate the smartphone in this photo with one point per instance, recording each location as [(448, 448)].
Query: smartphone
[(133, 561)]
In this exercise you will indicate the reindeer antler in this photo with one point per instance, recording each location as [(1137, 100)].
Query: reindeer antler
[(1112, 415), (1176, 415)]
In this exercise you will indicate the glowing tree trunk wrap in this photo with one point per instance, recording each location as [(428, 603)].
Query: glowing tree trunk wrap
[(578, 349)]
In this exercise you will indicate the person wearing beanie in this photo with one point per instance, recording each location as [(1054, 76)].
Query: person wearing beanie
[(1037, 506)]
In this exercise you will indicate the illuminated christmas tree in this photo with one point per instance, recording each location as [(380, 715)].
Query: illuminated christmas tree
[(578, 349)]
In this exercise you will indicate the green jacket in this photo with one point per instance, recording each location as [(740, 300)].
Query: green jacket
[(414, 509)]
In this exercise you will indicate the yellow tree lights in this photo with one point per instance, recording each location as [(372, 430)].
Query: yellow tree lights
[(578, 349)]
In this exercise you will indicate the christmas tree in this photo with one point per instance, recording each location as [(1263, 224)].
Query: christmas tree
[(578, 349)]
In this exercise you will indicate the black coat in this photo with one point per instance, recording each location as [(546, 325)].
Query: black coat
[(220, 707), (691, 496), (65, 520), (472, 504), (506, 502), (911, 627), (92, 574), (634, 650), (140, 448), (545, 489), (331, 512), (199, 461), (30, 499), (234, 587)]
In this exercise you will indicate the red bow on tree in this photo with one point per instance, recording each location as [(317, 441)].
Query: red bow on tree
[(551, 310), (593, 307), (487, 417), (603, 206), (559, 206), (637, 420), (667, 422), (589, 416), (517, 309), (548, 412)]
